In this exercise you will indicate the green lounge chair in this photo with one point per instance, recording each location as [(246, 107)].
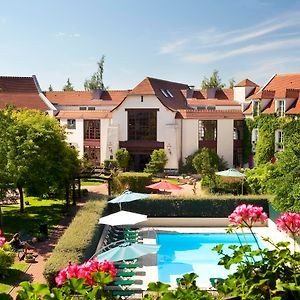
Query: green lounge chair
[(125, 293), (123, 282), (125, 274), (129, 266)]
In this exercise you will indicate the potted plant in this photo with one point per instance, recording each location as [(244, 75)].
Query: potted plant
[(29, 258)]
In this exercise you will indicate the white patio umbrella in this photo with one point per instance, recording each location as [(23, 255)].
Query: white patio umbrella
[(123, 217)]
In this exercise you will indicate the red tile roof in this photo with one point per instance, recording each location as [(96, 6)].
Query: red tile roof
[(85, 98), (246, 82), (84, 114), (210, 114), (295, 108), (21, 92), (153, 86)]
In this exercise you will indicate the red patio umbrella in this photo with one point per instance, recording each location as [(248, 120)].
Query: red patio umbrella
[(164, 185)]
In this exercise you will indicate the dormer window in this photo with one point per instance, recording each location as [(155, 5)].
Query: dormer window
[(167, 93), (255, 108), (278, 140), (280, 108)]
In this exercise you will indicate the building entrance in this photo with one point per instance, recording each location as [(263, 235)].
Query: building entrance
[(138, 161)]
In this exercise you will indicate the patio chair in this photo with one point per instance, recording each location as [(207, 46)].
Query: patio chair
[(126, 266), (123, 282), (124, 294), (125, 274)]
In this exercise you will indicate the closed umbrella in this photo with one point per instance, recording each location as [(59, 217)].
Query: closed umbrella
[(127, 251), (123, 217), (128, 196), (233, 173), (164, 185)]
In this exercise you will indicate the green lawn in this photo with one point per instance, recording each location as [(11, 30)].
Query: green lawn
[(174, 181), (39, 211), (91, 181), (12, 277)]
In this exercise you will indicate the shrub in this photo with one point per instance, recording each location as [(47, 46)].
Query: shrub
[(157, 162), (79, 241), (192, 207), (7, 257), (110, 164), (133, 181), (207, 162), (122, 158)]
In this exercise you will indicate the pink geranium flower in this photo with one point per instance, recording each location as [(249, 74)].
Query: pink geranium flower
[(289, 223), (247, 215), (85, 270), (2, 241)]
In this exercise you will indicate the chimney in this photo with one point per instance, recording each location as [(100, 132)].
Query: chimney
[(211, 93), (190, 92), (96, 94)]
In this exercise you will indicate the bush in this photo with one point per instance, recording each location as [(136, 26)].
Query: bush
[(157, 162), (79, 241), (7, 257), (192, 207), (122, 158), (133, 181), (110, 164)]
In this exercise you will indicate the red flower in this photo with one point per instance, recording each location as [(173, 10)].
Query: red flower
[(289, 223), (247, 215), (85, 270), (2, 241)]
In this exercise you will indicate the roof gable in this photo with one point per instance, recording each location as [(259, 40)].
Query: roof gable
[(21, 92), (246, 83)]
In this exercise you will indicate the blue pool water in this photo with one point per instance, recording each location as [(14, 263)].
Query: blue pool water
[(182, 253)]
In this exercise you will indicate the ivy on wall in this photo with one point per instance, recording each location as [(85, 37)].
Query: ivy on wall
[(267, 125)]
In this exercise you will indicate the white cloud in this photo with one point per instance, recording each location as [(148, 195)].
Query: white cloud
[(192, 47), (173, 47), (67, 35), (218, 55)]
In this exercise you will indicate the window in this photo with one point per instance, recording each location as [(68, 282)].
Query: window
[(92, 129), (82, 107), (238, 129), (278, 140), (255, 108), (280, 109), (91, 108), (254, 138), (142, 125), (208, 130), (169, 93), (71, 124), (164, 93)]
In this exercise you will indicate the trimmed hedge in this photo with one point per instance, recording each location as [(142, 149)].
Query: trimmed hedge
[(193, 207), (133, 181), (79, 241)]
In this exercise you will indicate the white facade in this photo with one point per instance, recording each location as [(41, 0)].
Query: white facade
[(225, 140)]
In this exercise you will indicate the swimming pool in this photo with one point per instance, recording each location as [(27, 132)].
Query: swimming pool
[(182, 253)]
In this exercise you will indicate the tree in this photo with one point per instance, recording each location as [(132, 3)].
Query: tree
[(231, 83), (68, 86), (207, 162), (157, 163), (122, 157), (213, 82), (50, 89), (96, 81), (35, 155)]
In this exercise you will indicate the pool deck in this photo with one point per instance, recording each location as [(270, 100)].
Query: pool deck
[(149, 269)]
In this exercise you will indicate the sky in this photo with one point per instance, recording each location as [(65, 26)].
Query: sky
[(176, 40)]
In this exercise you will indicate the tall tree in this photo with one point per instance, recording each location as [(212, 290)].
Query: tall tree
[(35, 154), (68, 86), (50, 89), (213, 82), (96, 81), (231, 83)]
